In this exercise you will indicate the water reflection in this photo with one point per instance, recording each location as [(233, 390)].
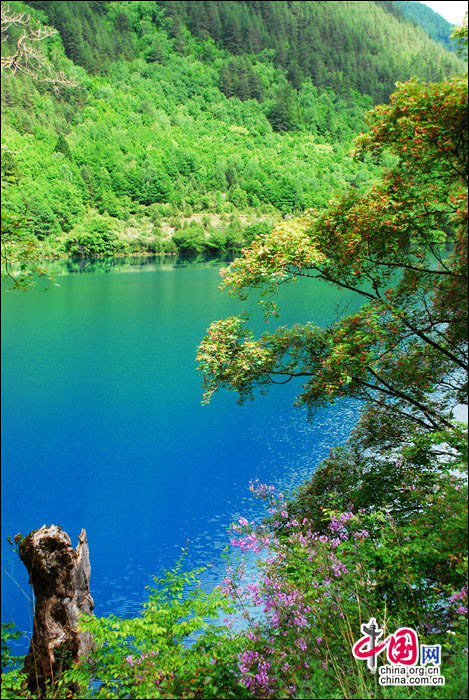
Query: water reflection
[(129, 263)]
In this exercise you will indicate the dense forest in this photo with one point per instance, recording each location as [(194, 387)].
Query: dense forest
[(182, 119), (434, 24)]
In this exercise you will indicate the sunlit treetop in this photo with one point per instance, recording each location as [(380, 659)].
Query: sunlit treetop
[(460, 36)]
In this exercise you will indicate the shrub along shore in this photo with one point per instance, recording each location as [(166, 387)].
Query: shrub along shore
[(99, 237)]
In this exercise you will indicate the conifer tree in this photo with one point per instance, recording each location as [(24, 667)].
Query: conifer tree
[(62, 146)]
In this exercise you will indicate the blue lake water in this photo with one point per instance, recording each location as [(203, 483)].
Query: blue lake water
[(103, 426)]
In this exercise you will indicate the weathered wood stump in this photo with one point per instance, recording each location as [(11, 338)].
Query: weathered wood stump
[(60, 578)]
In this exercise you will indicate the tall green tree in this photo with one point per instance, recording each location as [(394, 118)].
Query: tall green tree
[(283, 113), (62, 146)]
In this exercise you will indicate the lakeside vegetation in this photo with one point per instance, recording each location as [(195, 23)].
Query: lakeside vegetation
[(380, 530)]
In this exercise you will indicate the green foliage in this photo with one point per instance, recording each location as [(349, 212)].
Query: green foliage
[(21, 253), (149, 655), (460, 37), (283, 113), (62, 146), (217, 241), (9, 168), (91, 37), (367, 473), (155, 53), (190, 240), (254, 230), (9, 632), (240, 79), (330, 42), (99, 240)]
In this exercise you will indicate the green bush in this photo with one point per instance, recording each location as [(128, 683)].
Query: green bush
[(97, 241), (111, 204), (155, 245), (190, 240), (217, 242), (254, 230), (234, 239), (239, 198), (168, 246)]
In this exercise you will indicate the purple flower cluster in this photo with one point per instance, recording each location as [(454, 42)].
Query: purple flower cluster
[(252, 542), (133, 661), (337, 526), (267, 492), (290, 611), (338, 568), (285, 604), (230, 585), (255, 673), (261, 490), (460, 596), (301, 644), (361, 534)]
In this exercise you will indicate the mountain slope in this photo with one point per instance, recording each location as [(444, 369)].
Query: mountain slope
[(183, 120), (431, 22), (337, 44)]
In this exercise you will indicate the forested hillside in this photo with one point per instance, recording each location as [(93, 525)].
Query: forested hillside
[(189, 117), (434, 24), (339, 44)]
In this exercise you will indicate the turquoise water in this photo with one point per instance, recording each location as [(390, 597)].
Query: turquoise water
[(103, 426)]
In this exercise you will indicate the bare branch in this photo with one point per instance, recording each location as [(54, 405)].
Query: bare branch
[(27, 56)]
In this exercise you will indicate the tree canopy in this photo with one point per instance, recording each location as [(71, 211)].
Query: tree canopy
[(401, 246)]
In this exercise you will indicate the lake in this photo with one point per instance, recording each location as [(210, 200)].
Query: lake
[(103, 426)]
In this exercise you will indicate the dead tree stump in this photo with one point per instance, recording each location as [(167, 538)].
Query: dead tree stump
[(60, 578)]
